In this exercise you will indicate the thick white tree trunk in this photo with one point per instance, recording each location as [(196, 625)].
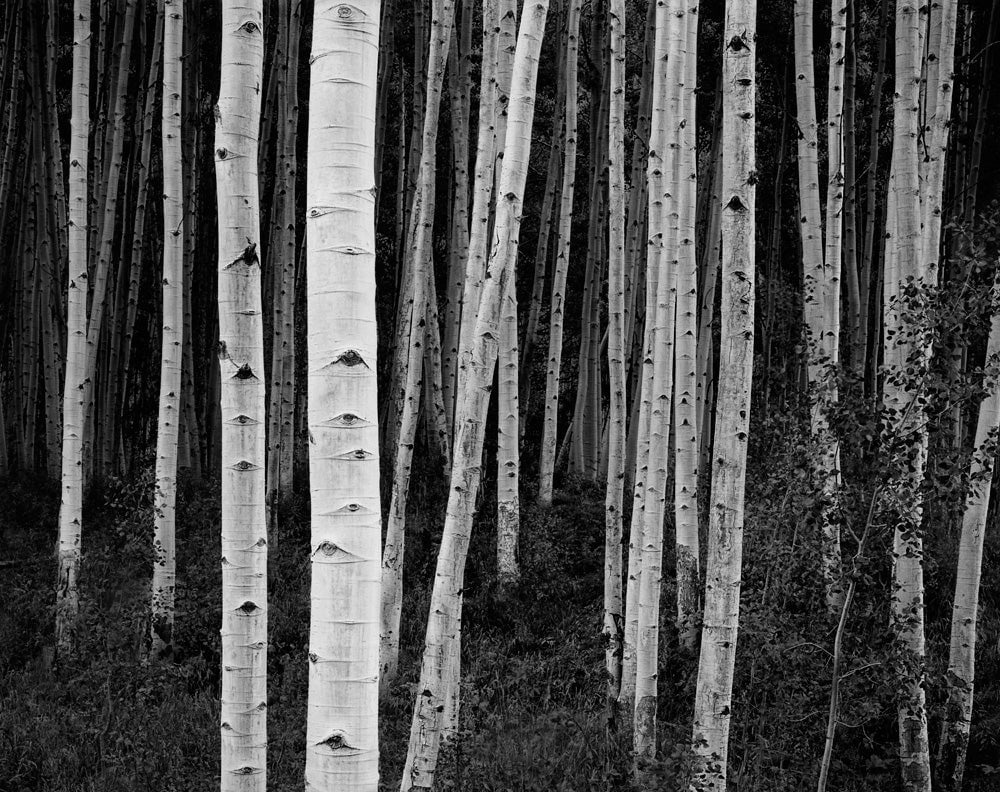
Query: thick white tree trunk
[(614, 489), (685, 353), (664, 204), (241, 364), (172, 336), (557, 312), (342, 716), (906, 359), (443, 625), (74, 391), (714, 692)]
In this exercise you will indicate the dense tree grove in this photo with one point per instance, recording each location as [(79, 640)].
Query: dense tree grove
[(499, 395)]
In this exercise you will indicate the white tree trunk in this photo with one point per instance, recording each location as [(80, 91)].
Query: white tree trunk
[(714, 692), (172, 336), (685, 354), (74, 391), (614, 489), (443, 624), (241, 363), (664, 183), (906, 359), (342, 716), (965, 610)]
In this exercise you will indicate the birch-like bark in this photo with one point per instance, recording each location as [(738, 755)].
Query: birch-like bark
[(905, 360), (614, 488), (713, 694), (685, 351), (241, 367), (443, 623), (954, 743), (171, 337), (74, 391), (557, 312), (664, 183), (342, 717)]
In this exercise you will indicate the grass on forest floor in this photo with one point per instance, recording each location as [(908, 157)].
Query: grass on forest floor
[(533, 685)]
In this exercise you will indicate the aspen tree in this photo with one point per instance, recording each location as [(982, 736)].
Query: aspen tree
[(172, 335), (616, 353), (821, 267), (421, 283), (508, 410), (664, 184), (904, 360), (713, 695), (482, 192), (685, 350), (241, 367), (965, 609), (557, 311), (342, 719), (439, 659), (74, 393), (644, 395)]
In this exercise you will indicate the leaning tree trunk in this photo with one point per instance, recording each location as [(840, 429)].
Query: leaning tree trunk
[(420, 284), (714, 692), (443, 625), (557, 312), (172, 335), (74, 391), (241, 364), (965, 611), (342, 716)]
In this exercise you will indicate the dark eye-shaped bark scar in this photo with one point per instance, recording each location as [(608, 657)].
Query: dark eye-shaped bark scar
[(243, 466), (244, 372), (243, 420), (350, 358), (347, 420), (350, 15), (355, 455), (250, 27), (338, 743), (248, 608), (247, 258)]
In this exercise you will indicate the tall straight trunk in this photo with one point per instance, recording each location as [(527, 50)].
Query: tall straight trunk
[(713, 694), (342, 721), (509, 439), (821, 268), (954, 744), (664, 192), (508, 410), (74, 390), (905, 359), (656, 49), (685, 353), (614, 489), (557, 312), (421, 284), (171, 337), (241, 367), (443, 625)]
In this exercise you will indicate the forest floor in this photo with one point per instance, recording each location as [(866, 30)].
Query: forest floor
[(533, 713)]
